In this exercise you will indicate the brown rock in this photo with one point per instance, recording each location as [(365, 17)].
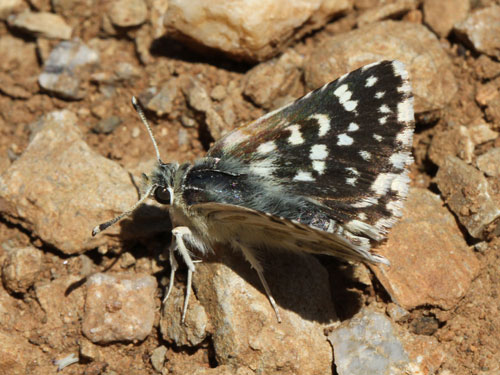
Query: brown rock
[(441, 16), (248, 30), (246, 331), (8, 7), (481, 133), (42, 24), (489, 162), (466, 192), (429, 67), (455, 141), (481, 30), (119, 307), (392, 9), (71, 189), (20, 269), (126, 13), (422, 248)]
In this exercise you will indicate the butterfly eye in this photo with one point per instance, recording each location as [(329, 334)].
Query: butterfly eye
[(162, 195)]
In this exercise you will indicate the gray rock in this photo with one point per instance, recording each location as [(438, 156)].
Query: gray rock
[(162, 102), (481, 30), (466, 192), (423, 247), (489, 162), (158, 358), (429, 66), (42, 24), (246, 333), (70, 190), (107, 125), (119, 307), (21, 268), (67, 68)]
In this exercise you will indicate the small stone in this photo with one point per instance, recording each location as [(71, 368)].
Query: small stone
[(489, 162), (187, 122), (119, 307), (89, 350), (423, 247), (481, 30), (157, 17), (218, 93), (430, 68), (127, 260), (486, 93), (158, 358), (397, 313), (245, 330), (482, 133), (424, 325), (197, 96), (21, 268), (162, 103), (66, 69), (127, 13), (393, 9), (248, 30), (107, 125), (464, 187), (196, 326), (486, 68), (71, 190), (455, 141), (42, 24), (368, 344), (441, 16), (7, 7)]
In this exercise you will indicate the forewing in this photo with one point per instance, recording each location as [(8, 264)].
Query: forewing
[(345, 146)]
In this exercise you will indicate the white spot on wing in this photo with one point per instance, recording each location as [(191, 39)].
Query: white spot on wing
[(303, 176), (366, 67), (318, 152), (366, 202), (267, 147), (394, 181), (380, 94), (405, 110), (365, 155), (370, 81), (400, 159), (405, 137), (384, 109), (264, 168), (296, 136), (377, 137), (357, 226), (353, 127), (344, 95), (362, 216), (344, 140), (382, 120), (323, 122), (354, 171), (351, 181), (399, 69), (319, 166)]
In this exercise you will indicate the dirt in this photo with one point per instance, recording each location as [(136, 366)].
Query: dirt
[(468, 334)]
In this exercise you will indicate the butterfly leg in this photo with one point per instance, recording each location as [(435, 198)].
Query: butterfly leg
[(179, 234), (173, 267), (250, 257)]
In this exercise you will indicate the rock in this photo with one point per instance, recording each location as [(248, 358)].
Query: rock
[(392, 9), (122, 72), (248, 30), (42, 24), (119, 307), (7, 7), (279, 77), (441, 16), (196, 326), (18, 67), (423, 247), (466, 192), (482, 133), (107, 125), (71, 189), (21, 268), (158, 358), (127, 13), (218, 93), (158, 13), (489, 162), (429, 67), (369, 344), (486, 68), (455, 141), (481, 30), (16, 355), (67, 68), (162, 103), (246, 334)]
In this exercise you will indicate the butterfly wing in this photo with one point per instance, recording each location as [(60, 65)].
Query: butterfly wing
[(335, 160)]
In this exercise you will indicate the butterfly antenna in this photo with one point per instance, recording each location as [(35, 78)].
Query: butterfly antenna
[(144, 120), (109, 223)]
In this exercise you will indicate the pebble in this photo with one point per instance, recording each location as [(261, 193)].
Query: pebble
[(127, 13), (7, 7), (107, 125), (64, 72), (430, 69), (441, 16), (21, 268), (481, 29), (489, 162), (454, 141), (392, 9), (119, 307), (248, 30), (466, 192), (41, 24)]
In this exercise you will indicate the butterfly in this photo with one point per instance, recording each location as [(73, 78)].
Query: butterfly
[(325, 174)]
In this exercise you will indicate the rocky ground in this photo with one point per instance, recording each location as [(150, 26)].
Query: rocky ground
[(72, 151)]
